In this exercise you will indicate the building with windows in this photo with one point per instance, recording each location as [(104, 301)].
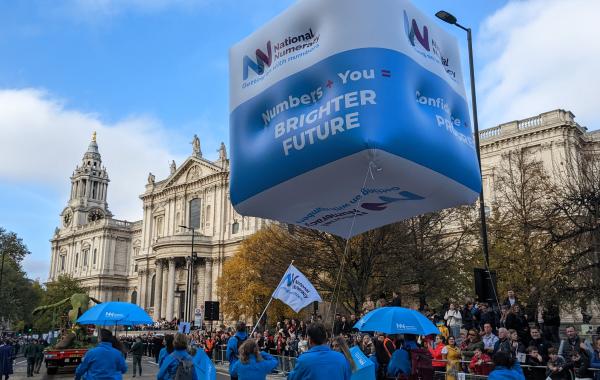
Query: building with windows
[(146, 262)]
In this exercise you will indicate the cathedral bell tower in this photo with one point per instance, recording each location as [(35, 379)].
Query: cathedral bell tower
[(89, 185)]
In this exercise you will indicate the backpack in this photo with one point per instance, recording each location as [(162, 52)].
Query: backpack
[(185, 370)]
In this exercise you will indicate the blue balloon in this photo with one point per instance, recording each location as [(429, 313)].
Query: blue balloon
[(347, 126)]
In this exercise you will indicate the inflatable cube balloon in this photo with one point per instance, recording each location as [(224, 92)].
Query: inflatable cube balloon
[(346, 115)]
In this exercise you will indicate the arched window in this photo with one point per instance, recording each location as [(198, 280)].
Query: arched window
[(85, 257), (207, 216), (134, 296), (152, 286), (195, 213)]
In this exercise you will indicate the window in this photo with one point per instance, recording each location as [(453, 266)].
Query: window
[(85, 257), (207, 216), (153, 284), (76, 259), (159, 227), (135, 268), (94, 256), (235, 227), (62, 262), (194, 213), (134, 296)]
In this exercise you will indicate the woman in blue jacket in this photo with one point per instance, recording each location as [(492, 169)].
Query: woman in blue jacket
[(166, 350), (168, 368), (253, 365), (595, 360)]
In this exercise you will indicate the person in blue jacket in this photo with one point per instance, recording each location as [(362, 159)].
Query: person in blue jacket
[(166, 350), (506, 368), (595, 359), (233, 343), (252, 364), (102, 362), (399, 363), (168, 369), (320, 362)]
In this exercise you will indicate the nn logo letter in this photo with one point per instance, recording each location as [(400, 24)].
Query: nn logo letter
[(412, 30), (262, 60)]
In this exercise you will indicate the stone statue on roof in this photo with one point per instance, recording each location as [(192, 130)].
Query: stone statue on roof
[(196, 147)]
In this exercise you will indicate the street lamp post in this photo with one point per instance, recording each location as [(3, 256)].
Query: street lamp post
[(450, 19), (189, 296)]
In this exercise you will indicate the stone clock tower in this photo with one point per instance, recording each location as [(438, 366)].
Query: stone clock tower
[(89, 184)]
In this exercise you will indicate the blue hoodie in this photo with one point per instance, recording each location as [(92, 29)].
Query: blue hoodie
[(399, 363), (321, 363), (168, 368), (102, 363), (254, 370), (232, 347), (503, 373)]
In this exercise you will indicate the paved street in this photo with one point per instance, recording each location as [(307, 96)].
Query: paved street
[(149, 369)]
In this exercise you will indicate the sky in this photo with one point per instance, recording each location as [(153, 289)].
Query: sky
[(149, 74)]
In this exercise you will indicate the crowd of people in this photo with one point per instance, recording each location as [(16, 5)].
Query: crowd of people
[(499, 342)]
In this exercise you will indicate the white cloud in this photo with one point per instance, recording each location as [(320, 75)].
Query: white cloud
[(540, 55), (42, 141)]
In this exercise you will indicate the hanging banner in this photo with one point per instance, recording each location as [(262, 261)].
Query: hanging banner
[(349, 113)]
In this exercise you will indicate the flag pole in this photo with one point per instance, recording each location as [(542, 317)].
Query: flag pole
[(270, 300)]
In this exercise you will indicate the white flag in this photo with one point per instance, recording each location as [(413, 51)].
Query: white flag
[(295, 290)]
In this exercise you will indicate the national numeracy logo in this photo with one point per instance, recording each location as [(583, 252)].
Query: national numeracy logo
[(412, 30), (415, 34), (274, 52), (290, 278)]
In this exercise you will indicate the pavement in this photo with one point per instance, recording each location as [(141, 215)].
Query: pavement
[(149, 371)]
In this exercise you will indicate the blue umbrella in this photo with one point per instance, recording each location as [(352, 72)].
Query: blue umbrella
[(396, 320), (115, 314)]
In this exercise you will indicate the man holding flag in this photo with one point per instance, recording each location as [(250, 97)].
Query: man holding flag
[(294, 290)]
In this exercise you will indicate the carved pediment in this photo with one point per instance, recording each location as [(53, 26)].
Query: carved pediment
[(191, 170)]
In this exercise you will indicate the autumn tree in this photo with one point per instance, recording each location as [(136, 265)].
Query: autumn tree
[(576, 203), (420, 252), (524, 255)]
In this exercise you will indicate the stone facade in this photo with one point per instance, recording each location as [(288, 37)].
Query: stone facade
[(145, 261)]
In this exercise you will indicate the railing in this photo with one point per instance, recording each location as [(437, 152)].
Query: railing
[(529, 123), (489, 133)]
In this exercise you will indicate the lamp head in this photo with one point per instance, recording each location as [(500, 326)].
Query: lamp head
[(446, 17)]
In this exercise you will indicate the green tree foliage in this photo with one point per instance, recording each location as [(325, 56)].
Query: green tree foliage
[(17, 296), (63, 287)]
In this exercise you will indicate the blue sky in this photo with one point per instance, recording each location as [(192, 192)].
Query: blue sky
[(149, 74)]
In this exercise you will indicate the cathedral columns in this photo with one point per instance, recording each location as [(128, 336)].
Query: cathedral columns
[(170, 289), (158, 290), (143, 290), (208, 281)]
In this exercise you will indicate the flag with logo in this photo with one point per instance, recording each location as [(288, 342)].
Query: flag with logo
[(295, 290)]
